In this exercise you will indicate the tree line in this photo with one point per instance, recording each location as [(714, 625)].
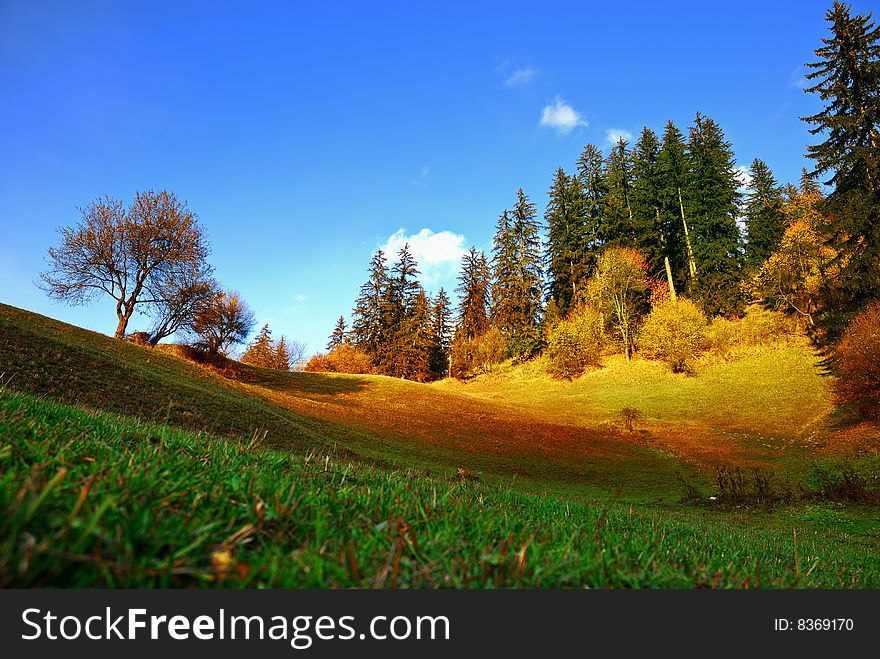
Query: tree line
[(669, 208)]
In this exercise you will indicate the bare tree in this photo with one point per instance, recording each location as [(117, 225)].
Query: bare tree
[(227, 320), (183, 302), (132, 255), (297, 352)]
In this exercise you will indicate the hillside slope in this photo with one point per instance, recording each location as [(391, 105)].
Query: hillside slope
[(518, 425)]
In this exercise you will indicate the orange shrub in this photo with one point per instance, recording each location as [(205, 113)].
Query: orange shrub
[(857, 363), (344, 358)]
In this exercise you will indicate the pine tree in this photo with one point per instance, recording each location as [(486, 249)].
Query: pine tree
[(594, 186), (565, 241), (414, 341), (518, 282), (655, 230), (713, 199), (473, 292), (261, 352), (397, 307), (367, 317), (847, 79), (338, 337), (620, 229), (281, 356), (765, 222), (441, 335), (674, 178)]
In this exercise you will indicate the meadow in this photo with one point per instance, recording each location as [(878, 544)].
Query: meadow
[(129, 466)]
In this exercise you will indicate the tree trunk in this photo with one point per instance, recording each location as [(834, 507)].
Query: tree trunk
[(123, 324), (666, 258), (669, 278), (692, 264)]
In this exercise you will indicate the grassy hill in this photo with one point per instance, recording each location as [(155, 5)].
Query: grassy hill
[(125, 466)]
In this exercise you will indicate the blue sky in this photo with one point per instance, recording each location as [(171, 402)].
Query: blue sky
[(306, 136)]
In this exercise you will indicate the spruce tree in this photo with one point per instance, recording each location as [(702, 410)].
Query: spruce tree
[(397, 308), (517, 287), (565, 241), (655, 230), (674, 182), (473, 292), (847, 80), (713, 200), (261, 352), (765, 222), (281, 356), (594, 186), (619, 226), (412, 359), (338, 337), (441, 335), (367, 317)]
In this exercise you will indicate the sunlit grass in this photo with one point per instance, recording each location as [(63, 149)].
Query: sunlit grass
[(91, 499)]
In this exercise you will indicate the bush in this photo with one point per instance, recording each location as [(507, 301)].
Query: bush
[(344, 358), (857, 363), (674, 332), (478, 355), (758, 327), (574, 344), (139, 338)]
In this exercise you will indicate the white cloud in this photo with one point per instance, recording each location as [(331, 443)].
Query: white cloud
[(520, 77), (421, 181), (561, 117), (742, 173), (798, 78), (438, 254), (613, 135)]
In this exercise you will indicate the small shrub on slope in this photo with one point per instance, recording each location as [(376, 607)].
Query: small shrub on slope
[(675, 331), (574, 344)]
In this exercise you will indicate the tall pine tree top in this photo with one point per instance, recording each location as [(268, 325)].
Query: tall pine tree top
[(566, 240), (517, 289), (619, 229), (765, 222), (367, 318), (473, 292), (847, 79), (713, 206), (338, 337)]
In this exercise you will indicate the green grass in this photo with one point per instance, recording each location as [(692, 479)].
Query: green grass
[(94, 499), (125, 466)]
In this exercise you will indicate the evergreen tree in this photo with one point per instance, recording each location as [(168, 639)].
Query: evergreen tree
[(655, 230), (473, 292), (367, 317), (397, 309), (518, 284), (674, 181), (281, 357), (594, 186), (337, 338), (714, 206), (261, 352), (765, 222), (619, 226), (441, 335), (412, 344), (847, 79), (565, 241)]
